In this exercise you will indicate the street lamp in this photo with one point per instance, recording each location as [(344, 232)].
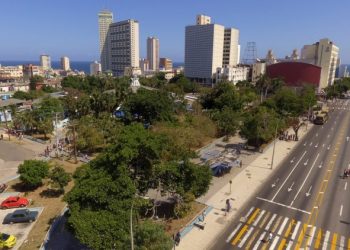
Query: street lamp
[(274, 145)]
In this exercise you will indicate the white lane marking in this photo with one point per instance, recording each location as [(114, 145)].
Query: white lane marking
[(320, 166), (347, 138), (311, 144), (311, 236), (296, 230), (308, 192), (290, 188), (288, 176), (292, 160), (307, 161), (323, 145), (261, 238), (233, 233), (328, 136), (270, 223), (325, 241), (342, 242), (316, 145), (273, 245), (316, 134), (302, 185), (329, 147), (246, 237), (282, 226), (259, 218), (341, 210), (305, 143), (345, 186), (275, 183), (283, 205)]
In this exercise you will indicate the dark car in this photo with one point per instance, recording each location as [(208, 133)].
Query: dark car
[(20, 215), (2, 187)]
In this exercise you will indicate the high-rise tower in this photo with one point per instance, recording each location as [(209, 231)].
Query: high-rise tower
[(153, 53), (105, 18)]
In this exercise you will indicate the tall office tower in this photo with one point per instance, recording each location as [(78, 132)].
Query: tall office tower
[(105, 18), (203, 20), (65, 65), (153, 53), (231, 49), (204, 45), (325, 55), (124, 45), (95, 68), (45, 62)]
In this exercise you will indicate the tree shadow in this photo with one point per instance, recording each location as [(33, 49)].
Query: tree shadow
[(51, 193), (22, 188)]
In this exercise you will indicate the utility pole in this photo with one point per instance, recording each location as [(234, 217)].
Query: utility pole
[(131, 230), (274, 146)]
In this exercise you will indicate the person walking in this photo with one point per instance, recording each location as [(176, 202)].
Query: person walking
[(270, 237), (228, 206)]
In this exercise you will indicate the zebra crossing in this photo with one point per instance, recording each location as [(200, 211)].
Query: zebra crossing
[(255, 227)]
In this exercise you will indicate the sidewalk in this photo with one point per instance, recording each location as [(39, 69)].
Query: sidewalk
[(245, 183)]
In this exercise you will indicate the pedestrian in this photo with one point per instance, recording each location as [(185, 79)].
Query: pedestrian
[(2, 136), (228, 206), (270, 237), (177, 238)]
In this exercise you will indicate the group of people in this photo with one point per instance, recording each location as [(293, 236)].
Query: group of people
[(287, 137), (346, 173)]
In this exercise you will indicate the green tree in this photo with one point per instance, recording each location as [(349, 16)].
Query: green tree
[(227, 121), (151, 236), (32, 172), (59, 177), (34, 80)]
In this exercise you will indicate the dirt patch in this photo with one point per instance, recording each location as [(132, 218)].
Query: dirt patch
[(53, 206)]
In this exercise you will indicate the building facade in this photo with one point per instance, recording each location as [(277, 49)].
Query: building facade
[(232, 74), (95, 68), (105, 18), (231, 47), (325, 55), (9, 73), (31, 70), (258, 69), (203, 20), (124, 46), (45, 62), (153, 53), (65, 64), (166, 64), (203, 51), (295, 74), (144, 65)]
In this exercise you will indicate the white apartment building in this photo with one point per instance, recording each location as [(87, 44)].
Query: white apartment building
[(124, 46), (153, 53), (208, 47), (95, 68), (231, 47), (325, 55), (144, 65), (105, 18), (65, 63), (232, 74), (45, 62), (11, 72)]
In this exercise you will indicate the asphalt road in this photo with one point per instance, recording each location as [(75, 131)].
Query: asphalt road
[(305, 203)]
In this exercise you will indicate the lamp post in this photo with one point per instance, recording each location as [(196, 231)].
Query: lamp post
[(274, 145)]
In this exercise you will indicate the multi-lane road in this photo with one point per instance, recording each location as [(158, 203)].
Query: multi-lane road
[(306, 203)]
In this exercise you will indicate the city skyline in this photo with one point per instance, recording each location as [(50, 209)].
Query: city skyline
[(281, 27)]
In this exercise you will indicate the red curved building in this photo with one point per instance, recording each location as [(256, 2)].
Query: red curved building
[(295, 74)]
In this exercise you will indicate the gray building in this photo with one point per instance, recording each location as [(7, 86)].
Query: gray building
[(105, 18), (153, 53)]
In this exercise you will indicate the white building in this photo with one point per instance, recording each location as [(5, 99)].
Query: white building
[(208, 47), (144, 65), (11, 72), (105, 18), (325, 55), (95, 68), (65, 64), (204, 46), (124, 46), (45, 62), (153, 53), (232, 74), (231, 47)]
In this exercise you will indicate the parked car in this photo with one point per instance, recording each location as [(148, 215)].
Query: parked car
[(7, 241), (3, 186), (20, 215), (14, 201)]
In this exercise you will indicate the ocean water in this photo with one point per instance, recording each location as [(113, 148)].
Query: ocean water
[(75, 65)]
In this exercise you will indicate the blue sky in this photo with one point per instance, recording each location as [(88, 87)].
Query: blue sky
[(69, 27)]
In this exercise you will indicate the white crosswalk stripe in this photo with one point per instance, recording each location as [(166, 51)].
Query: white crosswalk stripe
[(259, 218), (261, 238), (342, 242), (271, 221), (325, 242), (273, 245), (246, 237), (313, 230), (283, 225), (234, 232)]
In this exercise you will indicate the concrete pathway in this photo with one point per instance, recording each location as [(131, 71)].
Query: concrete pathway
[(246, 181)]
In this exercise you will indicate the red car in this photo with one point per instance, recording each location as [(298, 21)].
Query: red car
[(14, 201)]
